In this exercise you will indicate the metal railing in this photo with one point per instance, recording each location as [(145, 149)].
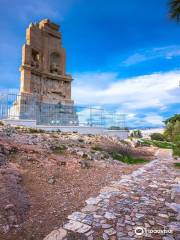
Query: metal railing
[(27, 106)]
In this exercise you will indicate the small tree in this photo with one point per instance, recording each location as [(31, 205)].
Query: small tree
[(172, 130), (173, 119), (175, 9), (136, 134)]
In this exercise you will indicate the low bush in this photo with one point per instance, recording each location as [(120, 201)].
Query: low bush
[(117, 128), (128, 159), (176, 150), (160, 144), (177, 165), (157, 136), (35, 130), (145, 142), (59, 149), (97, 148), (1, 123), (177, 139)]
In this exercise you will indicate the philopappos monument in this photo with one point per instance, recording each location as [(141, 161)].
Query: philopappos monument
[(45, 88)]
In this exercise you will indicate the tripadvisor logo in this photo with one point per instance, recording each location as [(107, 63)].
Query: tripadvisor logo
[(139, 231)]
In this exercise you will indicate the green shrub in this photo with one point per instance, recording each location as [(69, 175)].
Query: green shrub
[(160, 144), (97, 148), (173, 119), (172, 129), (59, 149), (176, 149), (117, 128), (35, 130), (145, 142), (177, 165), (177, 139), (128, 159), (117, 156), (157, 136), (1, 123)]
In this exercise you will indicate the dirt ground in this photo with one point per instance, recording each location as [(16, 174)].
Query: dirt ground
[(39, 188)]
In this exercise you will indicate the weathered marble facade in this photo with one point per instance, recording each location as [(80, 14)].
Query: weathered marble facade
[(43, 76), (43, 69)]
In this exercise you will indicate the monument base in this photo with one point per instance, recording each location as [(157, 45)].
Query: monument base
[(30, 107)]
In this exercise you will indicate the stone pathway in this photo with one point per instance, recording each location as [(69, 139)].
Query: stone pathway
[(142, 205)]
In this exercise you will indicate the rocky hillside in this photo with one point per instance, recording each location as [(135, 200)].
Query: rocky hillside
[(44, 177)]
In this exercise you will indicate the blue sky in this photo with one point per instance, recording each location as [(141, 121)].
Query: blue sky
[(123, 54)]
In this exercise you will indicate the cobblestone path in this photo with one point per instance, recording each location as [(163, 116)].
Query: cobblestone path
[(142, 205)]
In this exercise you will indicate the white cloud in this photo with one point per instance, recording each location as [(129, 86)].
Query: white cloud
[(153, 119), (100, 79), (147, 91), (135, 58), (142, 55), (38, 9)]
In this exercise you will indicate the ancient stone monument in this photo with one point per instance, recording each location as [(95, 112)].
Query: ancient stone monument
[(45, 91)]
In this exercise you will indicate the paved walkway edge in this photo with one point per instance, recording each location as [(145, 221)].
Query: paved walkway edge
[(81, 222)]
